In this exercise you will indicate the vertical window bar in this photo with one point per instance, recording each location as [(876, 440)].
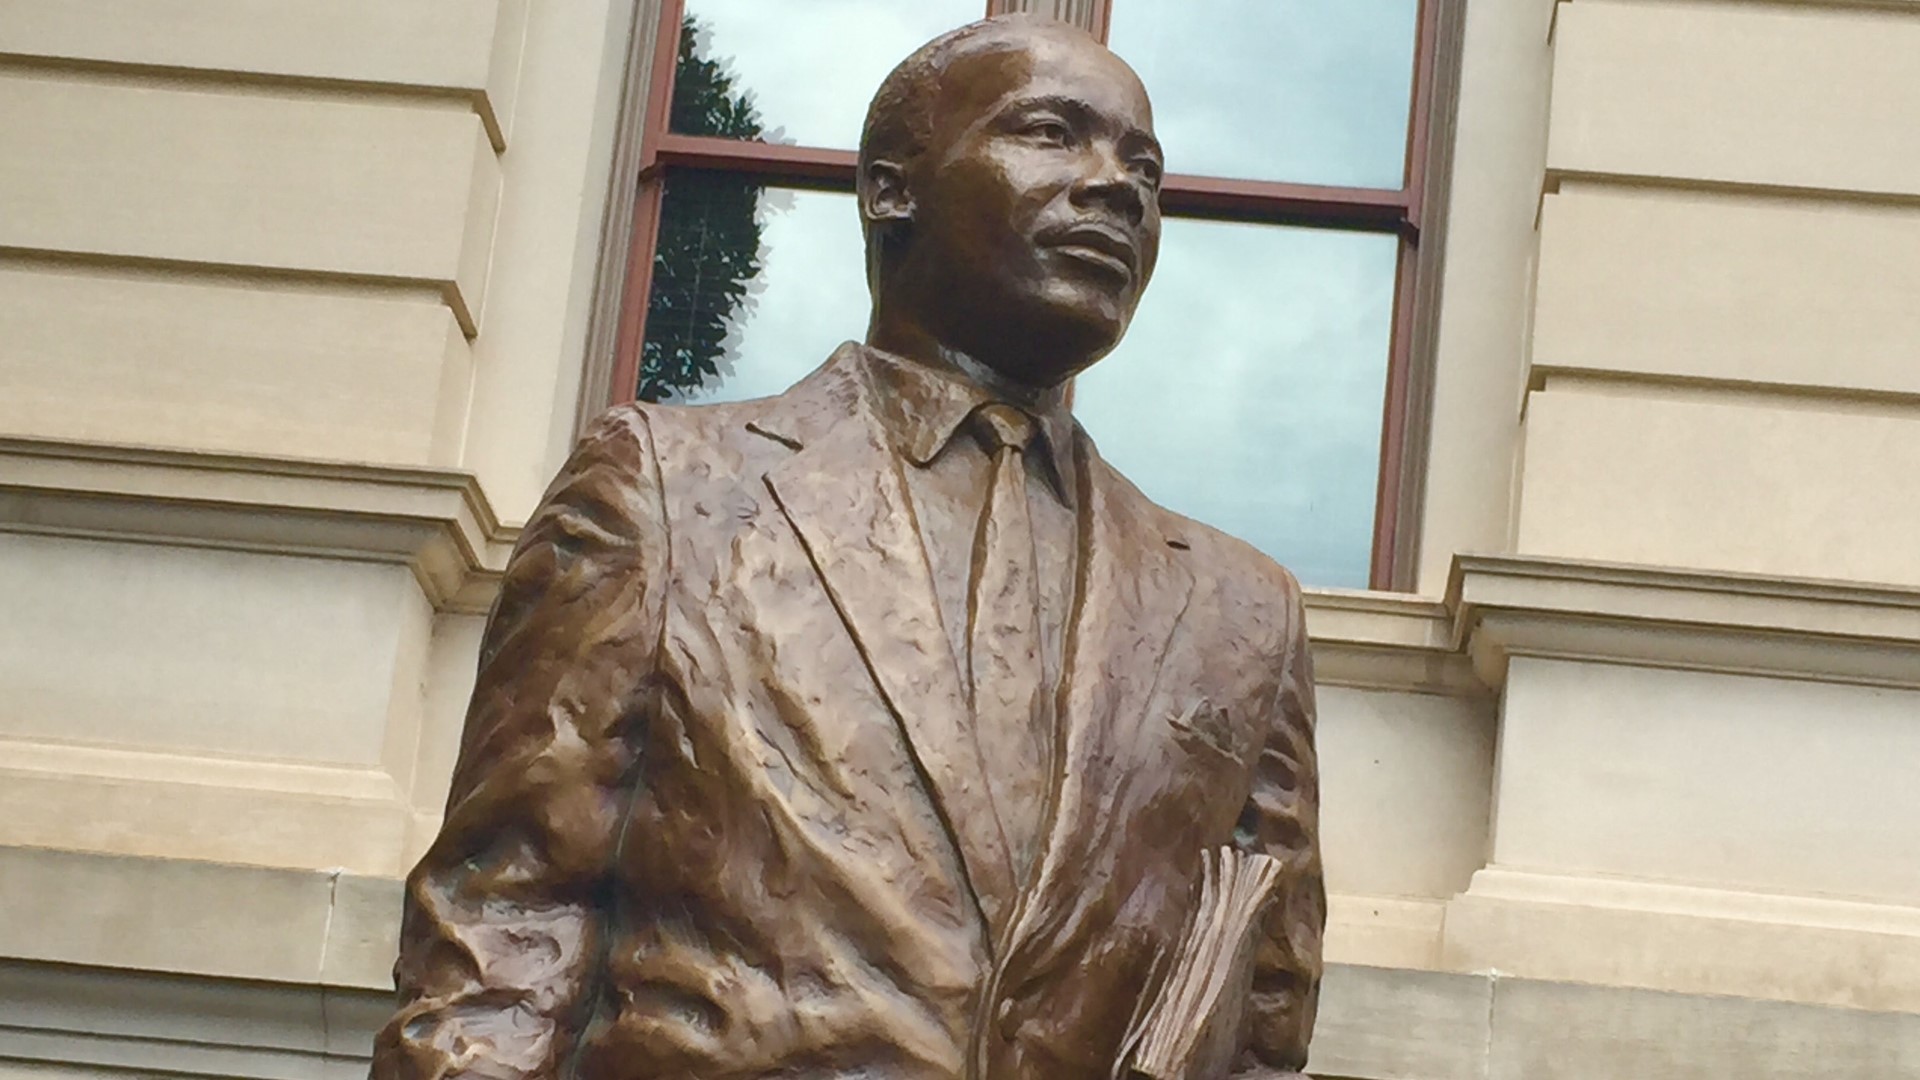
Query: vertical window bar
[(1088, 15), (633, 320), (666, 58), (646, 210), (1396, 540), (1390, 496), (1420, 116)]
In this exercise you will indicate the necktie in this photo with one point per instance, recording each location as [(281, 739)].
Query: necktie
[(1003, 636)]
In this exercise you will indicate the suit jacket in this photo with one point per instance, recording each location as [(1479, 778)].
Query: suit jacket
[(717, 811)]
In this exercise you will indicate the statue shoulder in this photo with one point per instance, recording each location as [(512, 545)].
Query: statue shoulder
[(1209, 552), (1248, 567), (661, 428), (1249, 594)]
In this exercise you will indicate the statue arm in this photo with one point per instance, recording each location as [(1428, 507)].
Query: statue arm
[(1284, 819), (501, 938)]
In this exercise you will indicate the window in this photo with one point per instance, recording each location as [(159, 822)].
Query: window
[(1266, 384)]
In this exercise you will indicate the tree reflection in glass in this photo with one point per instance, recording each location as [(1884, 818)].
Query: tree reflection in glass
[(708, 253), (728, 321)]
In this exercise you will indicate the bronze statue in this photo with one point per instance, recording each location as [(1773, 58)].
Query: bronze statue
[(881, 729)]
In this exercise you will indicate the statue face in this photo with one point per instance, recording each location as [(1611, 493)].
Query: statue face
[(1036, 218)]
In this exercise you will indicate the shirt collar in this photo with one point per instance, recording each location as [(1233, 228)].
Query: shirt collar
[(922, 406)]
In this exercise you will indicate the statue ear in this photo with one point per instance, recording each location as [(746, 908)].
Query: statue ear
[(883, 193)]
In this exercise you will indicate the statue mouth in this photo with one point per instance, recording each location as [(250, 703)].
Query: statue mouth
[(1096, 245)]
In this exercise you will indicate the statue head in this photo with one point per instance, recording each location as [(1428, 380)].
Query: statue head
[(1009, 188)]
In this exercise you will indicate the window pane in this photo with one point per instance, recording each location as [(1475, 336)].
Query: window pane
[(1248, 393), (797, 71), (752, 287), (1307, 91)]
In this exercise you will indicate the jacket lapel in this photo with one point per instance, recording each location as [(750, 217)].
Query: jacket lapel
[(847, 501)]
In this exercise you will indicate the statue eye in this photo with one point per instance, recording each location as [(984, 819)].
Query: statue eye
[(1048, 129), (1149, 169)]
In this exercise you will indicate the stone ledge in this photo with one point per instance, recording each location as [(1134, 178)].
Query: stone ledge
[(1505, 606), (1375, 1024), (203, 823), (1385, 931), (187, 916), (1387, 641), (143, 765), (1811, 950), (440, 524), (1500, 606), (184, 917), (100, 1021), (436, 522)]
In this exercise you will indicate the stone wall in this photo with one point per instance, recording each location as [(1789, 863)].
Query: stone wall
[(301, 304)]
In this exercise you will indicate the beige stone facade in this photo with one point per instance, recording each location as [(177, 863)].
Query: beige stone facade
[(300, 305)]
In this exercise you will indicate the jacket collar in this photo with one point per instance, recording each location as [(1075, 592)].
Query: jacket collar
[(921, 406)]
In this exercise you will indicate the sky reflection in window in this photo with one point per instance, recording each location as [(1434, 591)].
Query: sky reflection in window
[(809, 67), (1247, 394), (1307, 91)]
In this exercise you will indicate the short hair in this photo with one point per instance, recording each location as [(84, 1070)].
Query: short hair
[(899, 121)]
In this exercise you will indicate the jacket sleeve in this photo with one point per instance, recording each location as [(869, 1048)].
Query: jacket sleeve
[(1282, 819), (501, 937)]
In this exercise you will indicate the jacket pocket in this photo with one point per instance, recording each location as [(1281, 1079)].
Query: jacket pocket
[(1204, 730)]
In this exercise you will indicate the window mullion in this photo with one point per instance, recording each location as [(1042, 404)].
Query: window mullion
[(1089, 15), (806, 165)]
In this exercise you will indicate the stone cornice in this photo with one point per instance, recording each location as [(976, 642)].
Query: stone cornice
[(1386, 641), (1500, 606), (1507, 606), (437, 522)]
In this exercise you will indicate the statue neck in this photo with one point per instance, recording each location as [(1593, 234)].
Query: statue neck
[(915, 342)]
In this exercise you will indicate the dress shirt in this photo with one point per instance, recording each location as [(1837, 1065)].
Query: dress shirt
[(923, 408)]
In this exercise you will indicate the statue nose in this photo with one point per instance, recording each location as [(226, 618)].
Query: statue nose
[(1107, 181)]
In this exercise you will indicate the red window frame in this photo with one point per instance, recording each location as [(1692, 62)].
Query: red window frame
[(1400, 212)]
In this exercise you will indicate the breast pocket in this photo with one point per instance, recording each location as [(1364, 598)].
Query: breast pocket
[(1206, 731), (1213, 769)]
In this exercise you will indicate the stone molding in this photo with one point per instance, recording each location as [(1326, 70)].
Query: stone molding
[(437, 522), (1744, 624), (1500, 606), (467, 50), (440, 524), (1692, 939), (1374, 1024), (102, 1022), (1387, 641), (189, 917)]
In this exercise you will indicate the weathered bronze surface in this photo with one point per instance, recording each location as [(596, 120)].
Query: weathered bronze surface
[(878, 729)]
